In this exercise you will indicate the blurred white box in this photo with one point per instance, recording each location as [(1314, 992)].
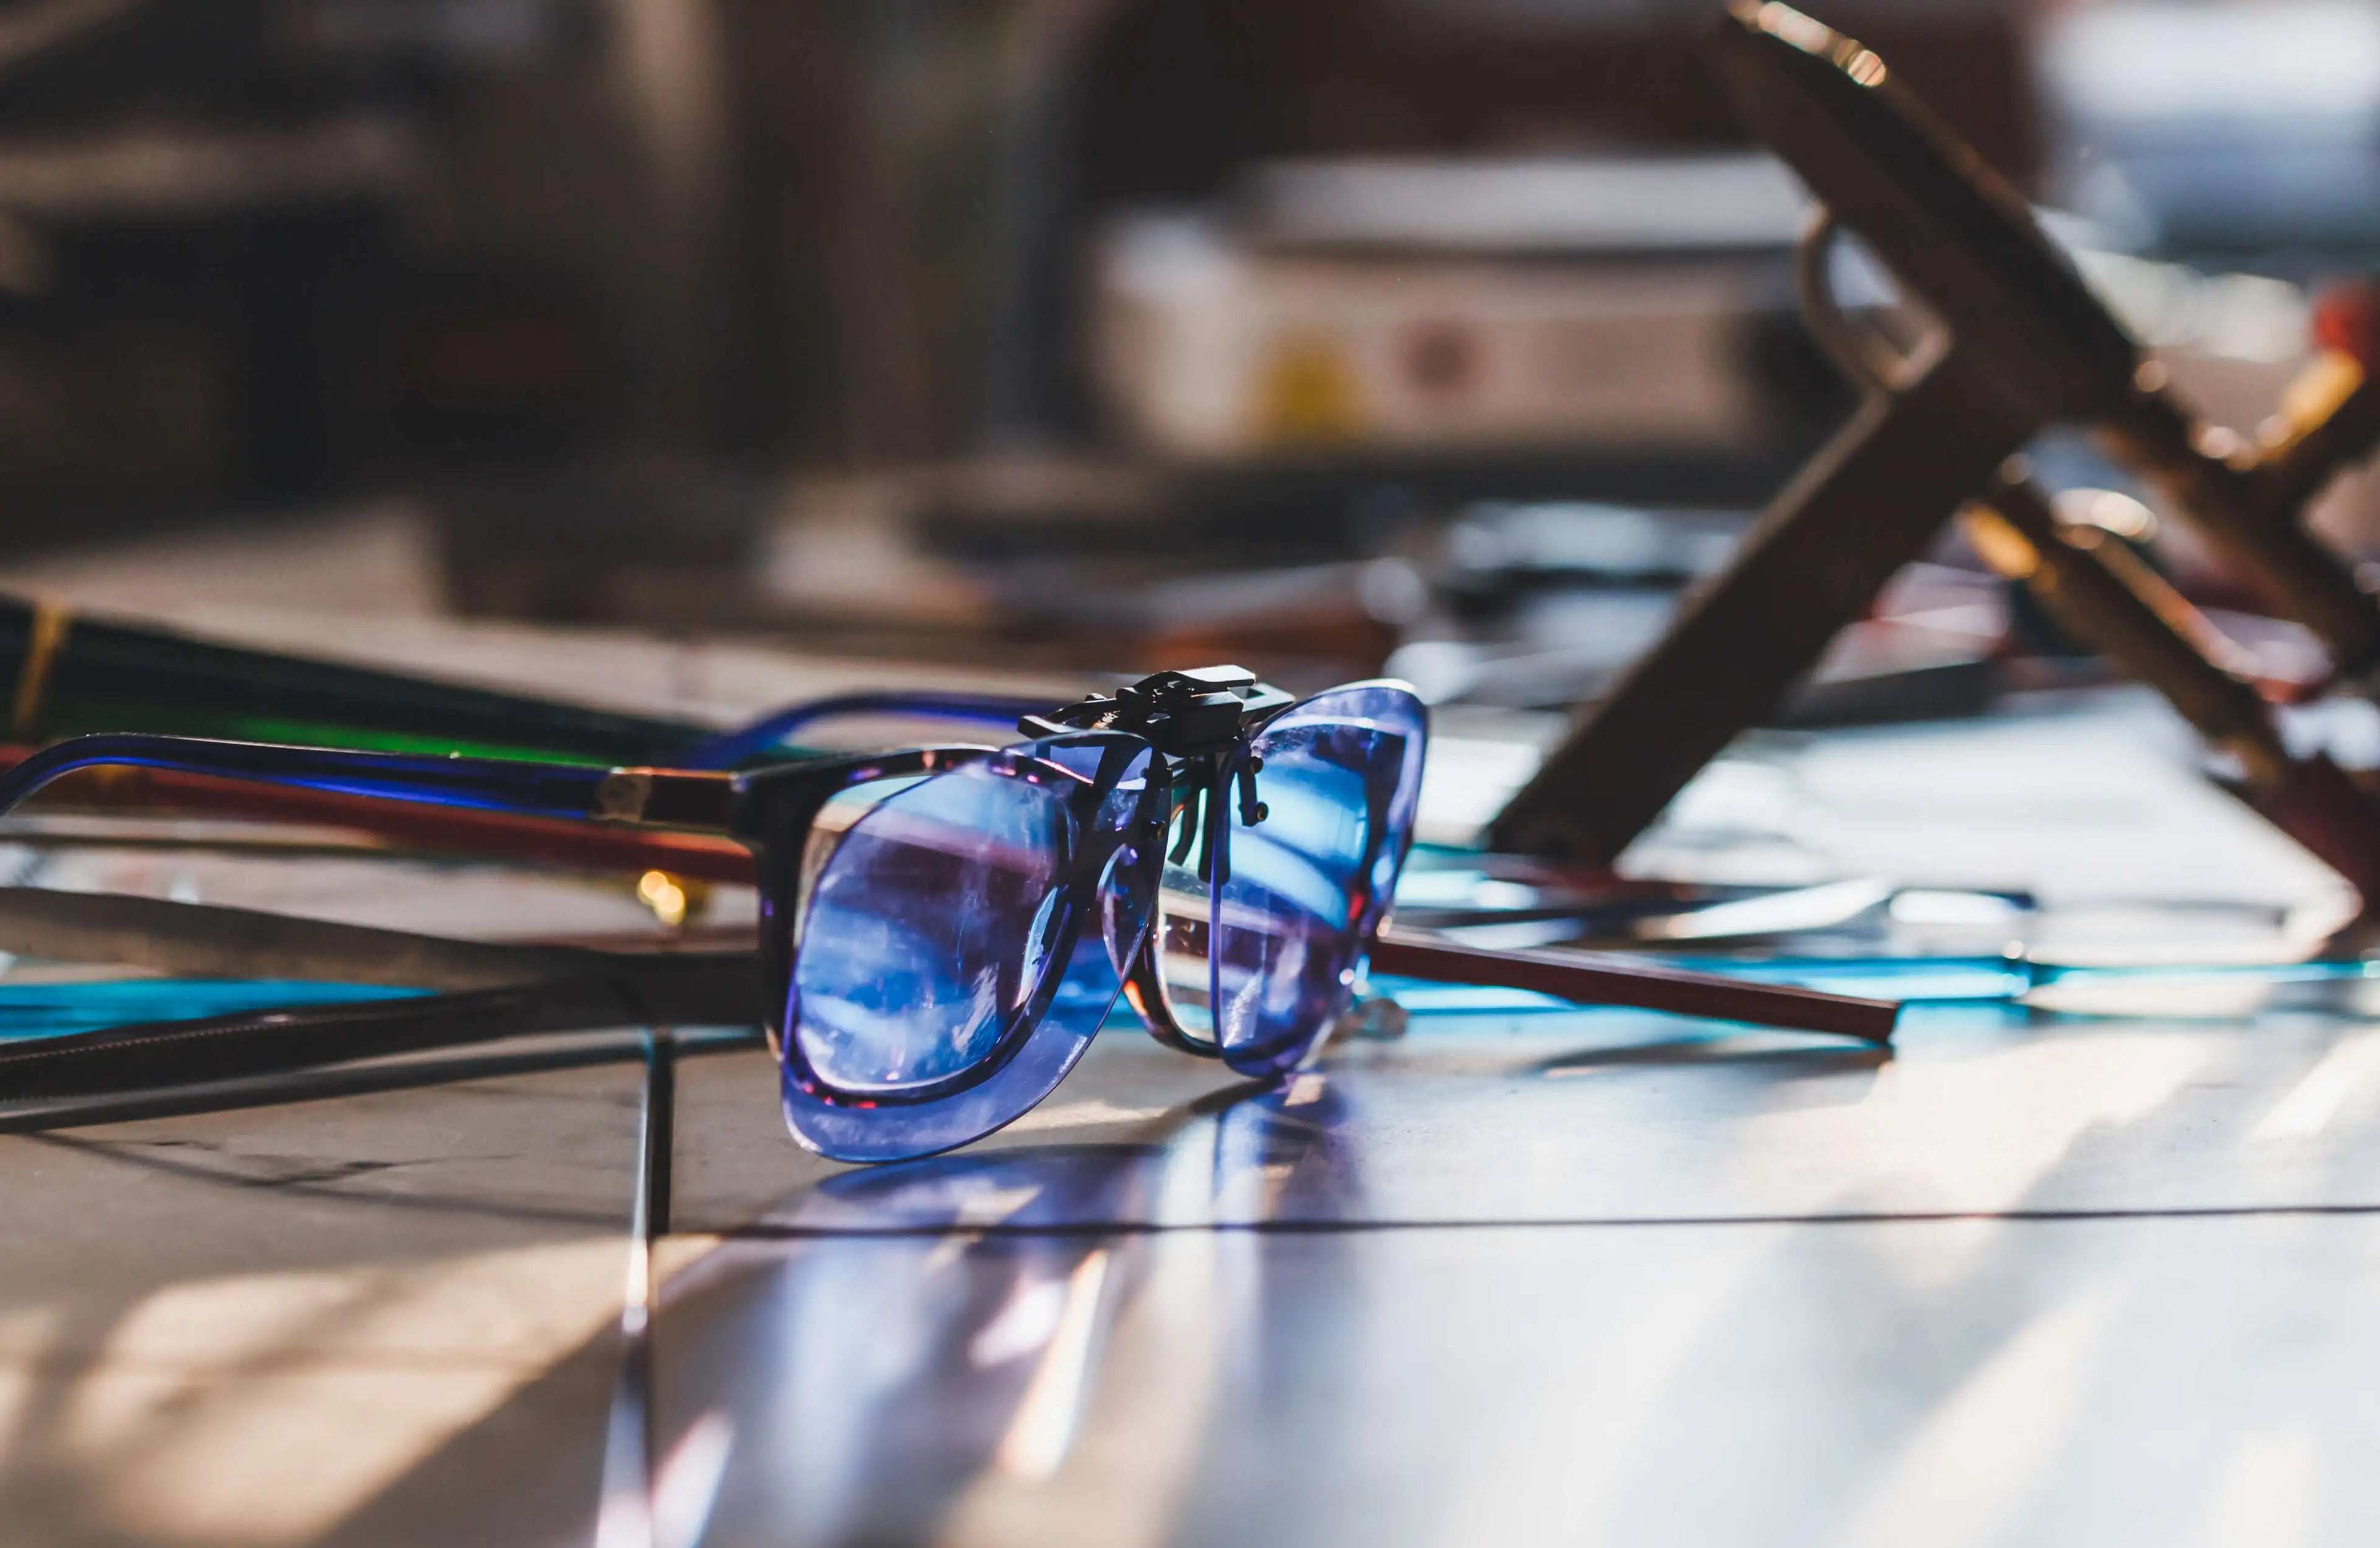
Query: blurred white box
[(1210, 348)]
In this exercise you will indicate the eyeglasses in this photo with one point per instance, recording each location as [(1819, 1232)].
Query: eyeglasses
[(62, 673), (943, 930)]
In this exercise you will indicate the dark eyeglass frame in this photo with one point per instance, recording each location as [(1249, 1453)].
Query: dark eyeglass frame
[(769, 811), (1195, 728)]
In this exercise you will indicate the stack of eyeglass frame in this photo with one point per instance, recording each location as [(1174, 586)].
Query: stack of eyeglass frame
[(73, 672)]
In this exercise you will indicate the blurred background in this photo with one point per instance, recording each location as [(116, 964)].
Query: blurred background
[(1452, 336)]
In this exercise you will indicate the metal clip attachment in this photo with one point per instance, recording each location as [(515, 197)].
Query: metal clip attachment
[(1181, 714), (1196, 720)]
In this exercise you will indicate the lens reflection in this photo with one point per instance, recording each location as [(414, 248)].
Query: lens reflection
[(931, 926), (973, 925), (1185, 910), (1264, 963)]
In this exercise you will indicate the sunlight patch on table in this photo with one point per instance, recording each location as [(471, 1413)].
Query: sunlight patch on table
[(2264, 1498), (1990, 1445), (2350, 1069), (1981, 1133), (263, 1409), (1592, 1396)]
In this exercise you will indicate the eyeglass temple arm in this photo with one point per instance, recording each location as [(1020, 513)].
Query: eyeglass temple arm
[(730, 748), (496, 786), (534, 988), (508, 803), (573, 845), (1615, 979)]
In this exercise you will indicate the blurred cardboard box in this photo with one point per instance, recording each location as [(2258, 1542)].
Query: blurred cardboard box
[(1207, 352), (1613, 304)]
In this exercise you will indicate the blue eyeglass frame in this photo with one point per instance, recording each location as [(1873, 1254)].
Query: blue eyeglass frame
[(774, 811)]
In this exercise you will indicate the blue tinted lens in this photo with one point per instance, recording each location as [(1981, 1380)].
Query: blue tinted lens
[(969, 923), (1310, 885), (931, 927), (1183, 968), (1127, 892)]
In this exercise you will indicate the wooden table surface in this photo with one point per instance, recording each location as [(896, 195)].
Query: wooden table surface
[(1545, 1278), (1529, 1278)]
